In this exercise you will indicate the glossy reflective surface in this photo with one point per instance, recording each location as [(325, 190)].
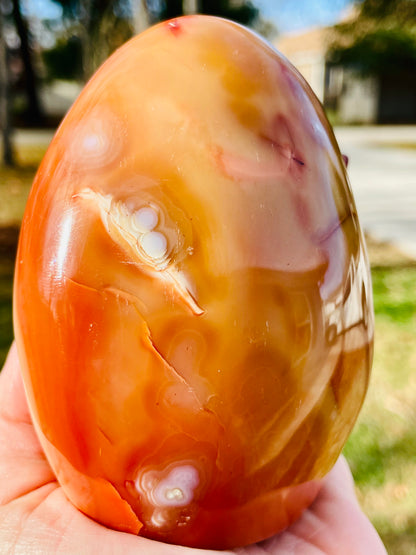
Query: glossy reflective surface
[(192, 299)]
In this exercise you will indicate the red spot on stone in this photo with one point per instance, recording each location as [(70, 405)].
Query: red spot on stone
[(174, 27)]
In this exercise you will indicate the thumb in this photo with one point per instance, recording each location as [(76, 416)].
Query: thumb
[(23, 465), (13, 404)]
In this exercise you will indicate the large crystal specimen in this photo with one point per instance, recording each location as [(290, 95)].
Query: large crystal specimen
[(192, 298)]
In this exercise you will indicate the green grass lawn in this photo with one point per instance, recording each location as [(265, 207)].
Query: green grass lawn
[(382, 447)]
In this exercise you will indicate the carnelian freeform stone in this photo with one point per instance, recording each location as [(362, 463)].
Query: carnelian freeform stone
[(192, 299)]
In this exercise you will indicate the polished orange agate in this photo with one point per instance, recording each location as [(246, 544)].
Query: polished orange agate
[(192, 300)]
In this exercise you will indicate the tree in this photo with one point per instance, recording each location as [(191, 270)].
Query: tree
[(242, 11), (98, 26), (380, 39), (64, 59), (34, 109), (5, 104)]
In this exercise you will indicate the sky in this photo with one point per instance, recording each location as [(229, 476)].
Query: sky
[(287, 15), (296, 15)]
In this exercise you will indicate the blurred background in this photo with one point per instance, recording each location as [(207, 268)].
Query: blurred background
[(360, 59)]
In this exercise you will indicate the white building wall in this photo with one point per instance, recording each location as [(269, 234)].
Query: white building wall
[(358, 102)]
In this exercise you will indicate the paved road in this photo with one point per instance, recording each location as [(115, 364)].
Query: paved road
[(382, 170)]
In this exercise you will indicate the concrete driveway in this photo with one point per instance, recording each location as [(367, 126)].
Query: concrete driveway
[(382, 170)]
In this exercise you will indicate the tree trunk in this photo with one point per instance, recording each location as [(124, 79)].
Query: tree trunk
[(141, 20), (34, 107), (86, 39), (190, 7), (5, 101), (173, 8)]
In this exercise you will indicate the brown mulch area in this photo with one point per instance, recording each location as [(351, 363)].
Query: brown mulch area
[(384, 254), (8, 240)]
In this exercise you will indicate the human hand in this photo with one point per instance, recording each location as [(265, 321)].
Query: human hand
[(36, 517)]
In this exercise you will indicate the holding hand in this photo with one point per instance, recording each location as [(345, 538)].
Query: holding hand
[(36, 517)]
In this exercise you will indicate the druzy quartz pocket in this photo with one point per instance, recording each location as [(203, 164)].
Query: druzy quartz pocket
[(192, 296)]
